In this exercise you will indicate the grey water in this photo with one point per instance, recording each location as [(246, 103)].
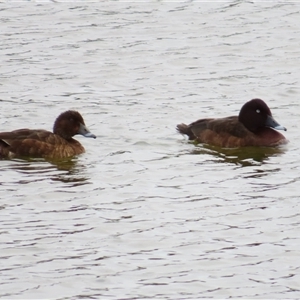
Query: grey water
[(144, 214)]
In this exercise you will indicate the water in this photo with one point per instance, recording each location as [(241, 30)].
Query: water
[(143, 213)]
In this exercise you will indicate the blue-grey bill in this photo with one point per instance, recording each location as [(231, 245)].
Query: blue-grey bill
[(85, 132), (270, 122)]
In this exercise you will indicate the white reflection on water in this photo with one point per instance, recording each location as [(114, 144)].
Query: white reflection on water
[(143, 213)]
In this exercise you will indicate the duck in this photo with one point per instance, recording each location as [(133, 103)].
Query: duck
[(39, 143), (254, 126)]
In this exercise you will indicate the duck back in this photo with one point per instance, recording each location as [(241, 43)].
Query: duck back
[(37, 143)]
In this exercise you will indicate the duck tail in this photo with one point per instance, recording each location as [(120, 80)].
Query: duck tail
[(185, 129)]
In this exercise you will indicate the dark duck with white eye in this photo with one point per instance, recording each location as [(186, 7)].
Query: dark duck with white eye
[(254, 126)]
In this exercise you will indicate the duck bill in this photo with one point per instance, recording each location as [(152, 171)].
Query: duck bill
[(85, 132), (270, 122)]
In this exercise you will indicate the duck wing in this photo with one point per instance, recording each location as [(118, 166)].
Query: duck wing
[(36, 143)]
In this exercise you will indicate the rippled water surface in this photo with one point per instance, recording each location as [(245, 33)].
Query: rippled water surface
[(144, 213)]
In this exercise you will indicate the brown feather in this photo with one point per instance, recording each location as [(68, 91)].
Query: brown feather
[(43, 143), (38, 143), (250, 128)]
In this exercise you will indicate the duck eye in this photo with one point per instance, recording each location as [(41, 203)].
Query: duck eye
[(258, 111)]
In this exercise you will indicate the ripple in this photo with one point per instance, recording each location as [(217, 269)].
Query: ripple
[(144, 213)]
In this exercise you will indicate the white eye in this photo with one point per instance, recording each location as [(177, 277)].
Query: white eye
[(258, 111)]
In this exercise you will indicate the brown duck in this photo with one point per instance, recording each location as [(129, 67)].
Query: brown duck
[(45, 144), (254, 126)]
